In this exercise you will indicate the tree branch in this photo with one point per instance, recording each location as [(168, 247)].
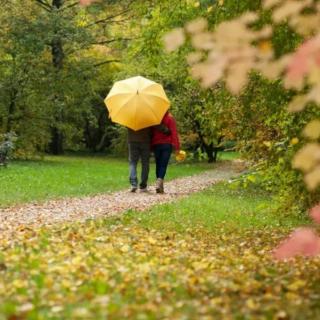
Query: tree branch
[(101, 21), (105, 62), (88, 45), (113, 40), (71, 5), (44, 5)]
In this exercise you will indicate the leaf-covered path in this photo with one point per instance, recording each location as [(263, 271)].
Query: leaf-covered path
[(71, 209)]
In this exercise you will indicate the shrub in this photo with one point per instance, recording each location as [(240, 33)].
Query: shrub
[(7, 144)]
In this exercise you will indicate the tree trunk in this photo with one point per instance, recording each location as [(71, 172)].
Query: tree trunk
[(11, 109), (56, 145), (208, 148)]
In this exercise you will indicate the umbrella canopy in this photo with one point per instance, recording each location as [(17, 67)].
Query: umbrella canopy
[(137, 103)]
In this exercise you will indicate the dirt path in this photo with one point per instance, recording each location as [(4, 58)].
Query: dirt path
[(70, 209)]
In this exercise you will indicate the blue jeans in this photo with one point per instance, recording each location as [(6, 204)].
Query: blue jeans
[(139, 150), (162, 153)]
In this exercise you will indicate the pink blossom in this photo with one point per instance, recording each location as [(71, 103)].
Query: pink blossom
[(303, 241), (315, 213), (303, 59)]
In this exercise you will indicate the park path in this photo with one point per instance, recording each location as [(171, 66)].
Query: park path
[(110, 204)]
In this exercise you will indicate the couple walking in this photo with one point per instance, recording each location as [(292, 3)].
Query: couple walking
[(160, 139)]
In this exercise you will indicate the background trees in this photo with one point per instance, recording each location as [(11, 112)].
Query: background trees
[(58, 60), (55, 71), (266, 41)]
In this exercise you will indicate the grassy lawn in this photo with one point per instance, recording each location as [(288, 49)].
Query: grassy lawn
[(64, 176), (204, 257), (216, 207)]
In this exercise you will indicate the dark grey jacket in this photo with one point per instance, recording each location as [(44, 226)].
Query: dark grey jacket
[(143, 135)]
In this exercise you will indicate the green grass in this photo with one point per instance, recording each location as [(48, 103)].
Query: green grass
[(64, 176), (230, 155), (217, 206)]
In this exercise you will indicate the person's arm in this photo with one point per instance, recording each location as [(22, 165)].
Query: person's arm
[(174, 134)]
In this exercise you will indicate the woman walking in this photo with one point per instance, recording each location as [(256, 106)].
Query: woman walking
[(164, 140)]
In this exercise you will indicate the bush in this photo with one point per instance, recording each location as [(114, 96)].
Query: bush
[(7, 144), (119, 144)]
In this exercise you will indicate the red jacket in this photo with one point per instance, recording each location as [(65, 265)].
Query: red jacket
[(160, 138)]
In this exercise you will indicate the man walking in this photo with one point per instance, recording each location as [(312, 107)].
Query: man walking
[(139, 147)]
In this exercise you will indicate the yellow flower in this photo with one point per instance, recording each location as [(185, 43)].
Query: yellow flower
[(181, 156), (294, 141)]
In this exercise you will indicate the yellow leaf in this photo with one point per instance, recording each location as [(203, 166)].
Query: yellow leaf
[(194, 57), (281, 315), (265, 46), (216, 301), (251, 304), (202, 41), (17, 283), (307, 157), (288, 9), (237, 76), (314, 94), (312, 179), (296, 285), (312, 129), (294, 141), (174, 39), (270, 3), (267, 144), (152, 240), (26, 307), (197, 25), (297, 104), (125, 248)]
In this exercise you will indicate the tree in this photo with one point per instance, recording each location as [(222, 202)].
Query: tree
[(57, 59)]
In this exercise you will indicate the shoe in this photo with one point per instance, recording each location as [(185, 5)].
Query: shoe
[(143, 190), (159, 186), (133, 189)]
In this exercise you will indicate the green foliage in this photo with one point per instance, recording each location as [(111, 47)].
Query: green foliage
[(54, 75), (119, 144), (7, 145)]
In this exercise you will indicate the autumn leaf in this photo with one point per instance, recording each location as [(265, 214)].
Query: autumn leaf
[(303, 241), (302, 61), (289, 8), (174, 39), (315, 213), (312, 129), (197, 26), (307, 157)]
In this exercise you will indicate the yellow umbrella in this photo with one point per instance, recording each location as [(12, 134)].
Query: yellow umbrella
[(137, 103)]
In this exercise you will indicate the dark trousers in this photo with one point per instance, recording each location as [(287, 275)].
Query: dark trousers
[(139, 150), (162, 153)]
